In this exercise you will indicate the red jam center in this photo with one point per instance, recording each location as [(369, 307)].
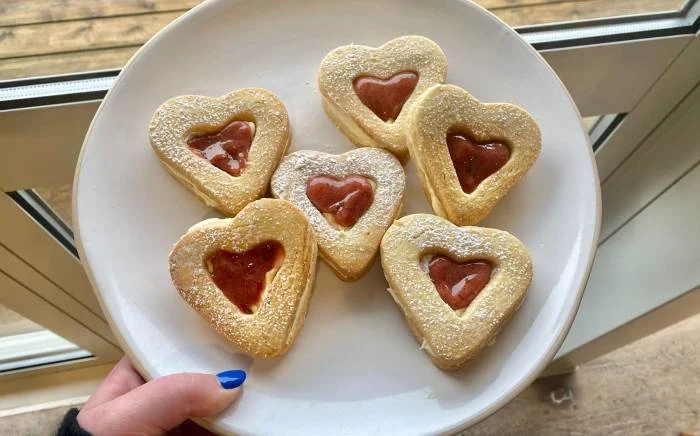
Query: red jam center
[(241, 276), (345, 199), (459, 283), (475, 162), (386, 97), (227, 149)]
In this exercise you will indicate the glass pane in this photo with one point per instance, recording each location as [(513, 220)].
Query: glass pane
[(589, 122), (58, 198), (51, 209), (601, 127), (12, 323), (45, 37), (24, 344)]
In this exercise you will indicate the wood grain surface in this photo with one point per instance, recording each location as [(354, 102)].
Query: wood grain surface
[(647, 388), (45, 37)]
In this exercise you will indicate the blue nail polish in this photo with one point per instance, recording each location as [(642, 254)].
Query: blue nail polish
[(231, 379)]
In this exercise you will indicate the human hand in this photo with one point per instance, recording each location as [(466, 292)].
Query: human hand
[(125, 404)]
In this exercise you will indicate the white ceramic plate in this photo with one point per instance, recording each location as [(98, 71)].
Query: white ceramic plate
[(355, 368)]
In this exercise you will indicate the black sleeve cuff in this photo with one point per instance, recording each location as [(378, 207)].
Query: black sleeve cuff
[(70, 426)]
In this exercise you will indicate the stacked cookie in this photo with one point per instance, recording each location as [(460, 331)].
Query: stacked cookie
[(251, 276)]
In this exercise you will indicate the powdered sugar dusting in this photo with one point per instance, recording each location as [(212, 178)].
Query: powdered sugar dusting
[(351, 250), (178, 118), (454, 337), (407, 53), (447, 107), (272, 328)]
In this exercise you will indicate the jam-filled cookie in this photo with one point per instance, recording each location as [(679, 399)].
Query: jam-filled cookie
[(469, 154), (456, 286), (251, 277), (223, 149), (350, 200), (368, 92)]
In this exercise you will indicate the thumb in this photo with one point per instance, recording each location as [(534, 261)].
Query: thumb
[(163, 403)]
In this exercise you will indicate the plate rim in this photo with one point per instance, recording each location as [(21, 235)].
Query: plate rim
[(501, 401)]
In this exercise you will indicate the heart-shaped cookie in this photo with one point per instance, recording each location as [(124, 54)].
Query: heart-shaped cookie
[(469, 154), (251, 277), (368, 92), (223, 149), (350, 200), (456, 286)]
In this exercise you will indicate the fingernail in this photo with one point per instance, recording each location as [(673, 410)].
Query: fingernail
[(231, 379)]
